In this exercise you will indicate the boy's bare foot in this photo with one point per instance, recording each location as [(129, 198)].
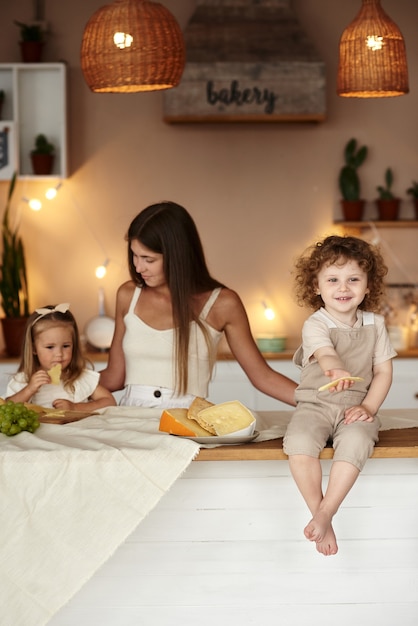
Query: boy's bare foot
[(318, 526), (328, 546), (320, 530)]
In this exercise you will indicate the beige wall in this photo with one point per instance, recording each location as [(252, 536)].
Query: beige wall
[(259, 193)]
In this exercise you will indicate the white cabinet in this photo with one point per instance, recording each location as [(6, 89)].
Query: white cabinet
[(230, 383), (34, 103), (402, 394)]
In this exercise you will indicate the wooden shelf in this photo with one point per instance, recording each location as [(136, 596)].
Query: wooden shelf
[(35, 102), (378, 224)]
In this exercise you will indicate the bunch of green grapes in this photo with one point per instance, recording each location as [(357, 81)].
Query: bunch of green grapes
[(15, 417)]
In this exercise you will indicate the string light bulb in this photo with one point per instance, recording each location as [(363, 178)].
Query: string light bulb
[(33, 203), (51, 192), (269, 314), (101, 270)]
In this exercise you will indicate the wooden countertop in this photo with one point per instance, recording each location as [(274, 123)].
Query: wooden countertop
[(286, 355), (393, 444)]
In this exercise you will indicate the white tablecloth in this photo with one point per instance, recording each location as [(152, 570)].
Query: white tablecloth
[(69, 496)]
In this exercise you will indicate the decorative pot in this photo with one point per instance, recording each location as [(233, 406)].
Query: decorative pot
[(42, 164), (416, 208), (31, 51), (14, 333), (352, 210), (388, 210)]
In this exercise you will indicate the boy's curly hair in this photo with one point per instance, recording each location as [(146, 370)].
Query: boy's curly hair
[(329, 251)]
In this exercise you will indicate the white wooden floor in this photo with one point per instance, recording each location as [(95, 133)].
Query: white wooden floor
[(225, 546)]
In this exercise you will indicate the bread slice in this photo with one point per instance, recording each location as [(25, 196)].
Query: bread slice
[(176, 422), (225, 418), (55, 374)]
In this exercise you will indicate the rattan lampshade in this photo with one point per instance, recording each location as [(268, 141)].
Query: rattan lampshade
[(372, 62), (130, 46)]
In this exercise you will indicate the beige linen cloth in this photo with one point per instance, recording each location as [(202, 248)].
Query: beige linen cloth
[(69, 496)]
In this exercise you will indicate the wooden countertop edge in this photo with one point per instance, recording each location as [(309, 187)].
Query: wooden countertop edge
[(393, 444), (286, 355)]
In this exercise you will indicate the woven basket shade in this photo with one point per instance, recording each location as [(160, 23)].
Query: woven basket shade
[(152, 59), (372, 62)]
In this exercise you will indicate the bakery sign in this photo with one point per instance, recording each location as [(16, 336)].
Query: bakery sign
[(247, 61), (279, 98)]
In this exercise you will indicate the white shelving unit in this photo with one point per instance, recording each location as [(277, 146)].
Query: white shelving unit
[(35, 102)]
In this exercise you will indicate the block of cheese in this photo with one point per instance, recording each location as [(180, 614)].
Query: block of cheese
[(225, 418), (197, 405), (55, 374), (176, 422)]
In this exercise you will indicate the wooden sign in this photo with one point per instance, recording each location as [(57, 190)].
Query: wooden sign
[(289, 95), (247, 61)]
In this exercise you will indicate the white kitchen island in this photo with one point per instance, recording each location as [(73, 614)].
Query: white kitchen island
[(225, 546)]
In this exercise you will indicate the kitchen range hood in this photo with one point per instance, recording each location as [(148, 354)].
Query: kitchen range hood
[(247, 61)]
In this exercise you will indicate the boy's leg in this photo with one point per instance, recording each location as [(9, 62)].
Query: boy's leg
[(307, 474), (342, 477)]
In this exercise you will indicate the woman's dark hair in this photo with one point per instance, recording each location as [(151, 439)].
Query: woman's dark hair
[(168, 229), (335, 249)]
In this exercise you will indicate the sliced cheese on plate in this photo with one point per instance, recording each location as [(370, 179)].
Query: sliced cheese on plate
[(226, 418), (176, 422)]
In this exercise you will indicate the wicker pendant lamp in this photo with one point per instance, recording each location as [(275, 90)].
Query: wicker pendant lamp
[(372, 62), (130, 46)]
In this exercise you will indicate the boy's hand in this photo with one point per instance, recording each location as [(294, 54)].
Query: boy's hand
[(357, 413), (341, 380)]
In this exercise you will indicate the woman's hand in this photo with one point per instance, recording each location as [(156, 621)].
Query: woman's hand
[(357, 413)]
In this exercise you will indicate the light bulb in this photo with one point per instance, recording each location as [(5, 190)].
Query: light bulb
[(51, 192), (101, 271), (269, 313), (35, 204)]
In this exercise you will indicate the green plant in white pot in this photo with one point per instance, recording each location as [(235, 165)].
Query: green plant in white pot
[(13, 279)]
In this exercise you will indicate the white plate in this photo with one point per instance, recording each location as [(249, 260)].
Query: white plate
[(225, 441)]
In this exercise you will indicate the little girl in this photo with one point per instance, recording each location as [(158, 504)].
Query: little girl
[(52, 339), (341, 279)]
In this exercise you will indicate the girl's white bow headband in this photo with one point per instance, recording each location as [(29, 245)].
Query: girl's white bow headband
[(60, 308)]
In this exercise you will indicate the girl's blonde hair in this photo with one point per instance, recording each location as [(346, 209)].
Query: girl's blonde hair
[(37, 324), (335, 249)]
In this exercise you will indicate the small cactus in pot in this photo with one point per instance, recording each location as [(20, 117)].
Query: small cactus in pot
[(349, 181), (387, 202)]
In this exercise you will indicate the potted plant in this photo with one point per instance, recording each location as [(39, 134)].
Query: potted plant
[(42, 156), (413, 191), (13, 281), (31, 42), (387, 203), (349, 183)]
